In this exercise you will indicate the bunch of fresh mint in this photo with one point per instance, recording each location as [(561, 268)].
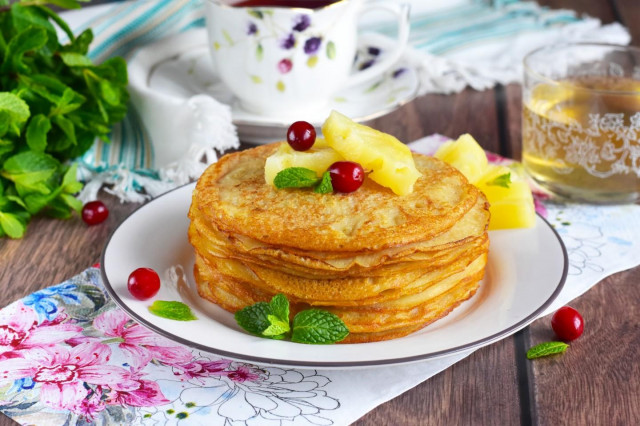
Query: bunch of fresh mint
[(54, 102), (271, 320)]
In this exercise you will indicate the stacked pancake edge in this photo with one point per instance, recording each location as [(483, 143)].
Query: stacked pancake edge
[(387, 265)]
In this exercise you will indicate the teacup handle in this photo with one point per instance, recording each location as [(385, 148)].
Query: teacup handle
[(402, 14)]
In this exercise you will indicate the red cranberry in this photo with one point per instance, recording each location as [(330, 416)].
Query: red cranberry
[(301, 135), (346, 176), (143, 283), (94, 212), (567, 323)]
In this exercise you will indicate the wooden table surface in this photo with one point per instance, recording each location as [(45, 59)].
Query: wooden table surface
[(597, 382)]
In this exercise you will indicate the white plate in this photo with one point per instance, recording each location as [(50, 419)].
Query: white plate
[(192, 72), (526, 271)]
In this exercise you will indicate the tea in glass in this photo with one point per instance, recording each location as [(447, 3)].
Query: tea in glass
[(581, 121)]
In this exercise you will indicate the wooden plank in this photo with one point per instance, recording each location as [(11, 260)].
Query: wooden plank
[(601, 9), (628, 12), (450, 115), (479, 390), (597, 381)]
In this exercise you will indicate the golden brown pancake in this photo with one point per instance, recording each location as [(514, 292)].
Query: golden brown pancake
[(387, 265)]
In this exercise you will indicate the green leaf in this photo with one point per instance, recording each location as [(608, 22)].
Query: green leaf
[(36, 201), (72, 202), (295, 177), (315, 326), (12, 225), (28, 40), (280, 307), (254, 318), (109, 93), (57, 19), (546, 349), (81, 42), (29, 168), (325, 186), (15, 109), (172, 310), (331, 50), (66, 126), (37, 131), (502, 180), (74, 59), (70, 184), (65, 4), (26, 16), (276, 327)]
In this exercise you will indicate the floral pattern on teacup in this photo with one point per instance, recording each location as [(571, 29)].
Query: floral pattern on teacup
[(301, 35)]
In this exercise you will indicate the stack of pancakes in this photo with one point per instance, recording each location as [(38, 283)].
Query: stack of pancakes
[(386, 265)]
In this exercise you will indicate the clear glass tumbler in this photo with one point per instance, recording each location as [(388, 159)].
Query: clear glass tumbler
[(581, 121)]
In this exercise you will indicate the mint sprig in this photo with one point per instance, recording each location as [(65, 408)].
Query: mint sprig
[(546, 349), (54, 102), (502, 180), (301, 177), (172, 310), (271, 320), (325, 186), (296, 177)]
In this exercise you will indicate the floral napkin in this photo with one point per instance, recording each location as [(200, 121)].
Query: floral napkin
[(70, 356)]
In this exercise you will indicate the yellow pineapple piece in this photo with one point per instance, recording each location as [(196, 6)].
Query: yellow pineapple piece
[(510, 198), (389, 160), (318, 159), (509, 195), (466, 155)]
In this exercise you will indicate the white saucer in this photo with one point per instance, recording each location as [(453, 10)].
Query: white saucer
[(191, 73)]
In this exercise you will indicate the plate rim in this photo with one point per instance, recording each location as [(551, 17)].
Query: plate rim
[(476, 344)]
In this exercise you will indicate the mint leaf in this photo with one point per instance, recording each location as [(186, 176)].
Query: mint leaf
[(37, 131), (14, 111), (29, 168), (254, 318), (74, 59), (30, 39), (546, 349), (277, 328), (172, 310), (502, 180), (12, 225), (295, 177), (316, 326), (280, 307), (325, 186)]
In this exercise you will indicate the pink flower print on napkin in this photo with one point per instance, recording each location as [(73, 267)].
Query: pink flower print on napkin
[(19, 330), (201, 368), (148, 394), (139, 344), (62, 373)]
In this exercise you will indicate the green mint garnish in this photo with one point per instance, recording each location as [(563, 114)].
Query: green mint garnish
[(271, 320), (316, 326), (546, 349), (502, 180), (295, 177), (254, 318), (172, 310), (325, 186)]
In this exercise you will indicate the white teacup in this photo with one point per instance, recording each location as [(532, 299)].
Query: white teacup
[(282, 62)]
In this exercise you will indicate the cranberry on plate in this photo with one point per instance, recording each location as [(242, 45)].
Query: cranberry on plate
[(143, 283), (346, 176), (301, 135)]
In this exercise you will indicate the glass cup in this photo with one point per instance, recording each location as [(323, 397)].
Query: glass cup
[(581, 121)]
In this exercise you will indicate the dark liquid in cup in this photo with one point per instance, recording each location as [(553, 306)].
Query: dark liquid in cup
[(306, 4)]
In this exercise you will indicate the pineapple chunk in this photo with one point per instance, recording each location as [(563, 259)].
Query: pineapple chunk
[(509, 195), (318, 159), (465, 155), (389, 160)]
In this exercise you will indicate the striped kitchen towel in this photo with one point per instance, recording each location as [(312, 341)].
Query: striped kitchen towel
[(454, 44)]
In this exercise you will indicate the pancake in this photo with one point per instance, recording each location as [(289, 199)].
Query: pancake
[(233, 195), (387, 265)]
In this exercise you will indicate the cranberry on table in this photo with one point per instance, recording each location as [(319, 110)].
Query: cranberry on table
[(94, 212), (567, 323), (301, 135), (346, 176), (143, 283)]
